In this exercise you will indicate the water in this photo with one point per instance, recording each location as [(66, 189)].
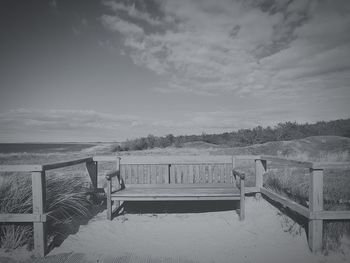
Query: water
[(7, 148)]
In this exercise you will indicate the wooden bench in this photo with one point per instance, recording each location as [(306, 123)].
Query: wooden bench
[(175, 191)]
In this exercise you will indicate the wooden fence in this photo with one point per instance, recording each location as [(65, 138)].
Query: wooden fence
[(179, 169), (39, 215), (314, 213)]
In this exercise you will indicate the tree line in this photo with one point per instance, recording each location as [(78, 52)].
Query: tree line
[(244, 137)]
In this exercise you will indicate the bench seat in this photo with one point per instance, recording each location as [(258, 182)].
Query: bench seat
[(176, 192)]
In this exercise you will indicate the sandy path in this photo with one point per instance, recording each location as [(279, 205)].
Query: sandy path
[(202, 237)]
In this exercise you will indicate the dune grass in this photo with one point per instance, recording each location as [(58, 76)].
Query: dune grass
[(66, 199), (294, 183)]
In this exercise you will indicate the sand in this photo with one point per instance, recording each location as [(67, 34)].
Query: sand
[(266, 235)]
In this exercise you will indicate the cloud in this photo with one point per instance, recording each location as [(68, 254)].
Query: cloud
[(248, 47), (132, 12)]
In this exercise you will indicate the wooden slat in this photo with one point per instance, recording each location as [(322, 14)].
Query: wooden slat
[(105, 158), (247, 157), (189, 185), (134, 178), (165, 174), (286, 202), (149, 174), (174, 198), (153, 174), (330, 215), (210, 173), (21, 168), (224, 173), (22, 218), (332, 165), (65, 164), (215, 173), (141, 174), (182, 159), (280, 160), (197, 174), (176, 191)]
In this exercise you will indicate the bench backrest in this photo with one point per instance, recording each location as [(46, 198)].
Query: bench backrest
[(177, 169)]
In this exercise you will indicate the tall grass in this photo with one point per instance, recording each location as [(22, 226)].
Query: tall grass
[(294, 184), (65, 199)]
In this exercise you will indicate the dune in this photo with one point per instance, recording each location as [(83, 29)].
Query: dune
[(314, 148)]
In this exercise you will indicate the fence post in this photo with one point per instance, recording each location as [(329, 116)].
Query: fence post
[(39, 207), (315, 204), (109, 199), (260, 169), (92, 170), (242, 199)]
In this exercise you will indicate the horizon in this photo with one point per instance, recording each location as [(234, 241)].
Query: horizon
[(145, 136), (106, 71)]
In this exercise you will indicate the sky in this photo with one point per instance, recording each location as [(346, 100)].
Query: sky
[(89, 70)]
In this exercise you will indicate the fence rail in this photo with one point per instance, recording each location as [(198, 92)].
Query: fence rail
[(314, 213), (39, 215)]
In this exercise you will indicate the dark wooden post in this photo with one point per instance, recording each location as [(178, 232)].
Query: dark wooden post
[(120, 181), (119, 177), (169, 165), (234, 164), (260, 169), (39, 207), (92, 170), (315, 205)]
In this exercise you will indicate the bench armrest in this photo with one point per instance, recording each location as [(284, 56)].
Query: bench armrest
[(239, 174), (112, 174)]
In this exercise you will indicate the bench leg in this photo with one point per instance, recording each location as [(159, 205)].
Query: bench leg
[(242, 202), (242, 209), (109, 200)]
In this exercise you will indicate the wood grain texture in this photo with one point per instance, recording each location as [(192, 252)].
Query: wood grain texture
[(242, 200), (316, 205), (174, 159), (330, 215), (286, 202), (91, 167), (22, 218), (21, 168), (285, 161), (66, 163), (39, 207), (260, 169), (332, 165)]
